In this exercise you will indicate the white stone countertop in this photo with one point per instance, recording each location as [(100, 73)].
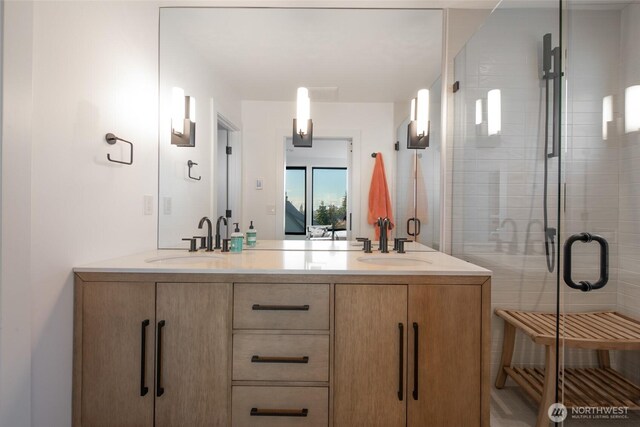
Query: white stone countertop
[(310, 261)]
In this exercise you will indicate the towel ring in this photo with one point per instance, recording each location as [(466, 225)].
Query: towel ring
[(111, 140), (192, 164)]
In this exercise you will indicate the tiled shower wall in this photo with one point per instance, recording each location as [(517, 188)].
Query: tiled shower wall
[(498, 180)]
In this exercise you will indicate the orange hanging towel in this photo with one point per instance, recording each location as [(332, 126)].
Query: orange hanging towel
[(379, 200)]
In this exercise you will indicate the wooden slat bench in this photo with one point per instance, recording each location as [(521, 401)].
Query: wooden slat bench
[(600, 331)]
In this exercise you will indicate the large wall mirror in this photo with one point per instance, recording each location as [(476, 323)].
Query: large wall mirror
[(228, 82)]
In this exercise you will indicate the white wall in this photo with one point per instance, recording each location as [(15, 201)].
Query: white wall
[(15, 290), (182, 66), (265, 126), (94, 71)]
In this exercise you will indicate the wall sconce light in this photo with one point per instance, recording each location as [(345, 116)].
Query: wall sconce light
[(302, 124), (494, 112), (418, 132), (478, 111), (607, 115), (632, 109), (183, 119)]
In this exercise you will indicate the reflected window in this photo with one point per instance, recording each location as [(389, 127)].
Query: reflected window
[(329, 197), (295, 201)]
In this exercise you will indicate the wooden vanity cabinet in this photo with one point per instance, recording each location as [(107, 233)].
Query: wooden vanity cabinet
[(151, 354), (377, 328)]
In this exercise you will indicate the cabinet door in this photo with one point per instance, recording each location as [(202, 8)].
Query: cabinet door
[(113, 324), (370, 371), (448, 321), (193, 355)]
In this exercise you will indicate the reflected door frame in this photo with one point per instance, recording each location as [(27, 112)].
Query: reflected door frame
[(354, 197)]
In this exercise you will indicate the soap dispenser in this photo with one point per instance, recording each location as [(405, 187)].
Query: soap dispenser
[(251, 236), (236, 239)]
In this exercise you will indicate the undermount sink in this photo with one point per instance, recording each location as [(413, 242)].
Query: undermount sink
[(394, 261), (183, 259)]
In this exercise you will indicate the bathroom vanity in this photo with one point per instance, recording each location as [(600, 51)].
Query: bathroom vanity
[(282, 338)]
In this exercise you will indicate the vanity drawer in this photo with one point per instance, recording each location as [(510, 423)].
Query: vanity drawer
[(280, 406), (280, 306), (280, 357)]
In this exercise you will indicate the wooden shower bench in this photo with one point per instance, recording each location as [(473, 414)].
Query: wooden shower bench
[(600, 331)]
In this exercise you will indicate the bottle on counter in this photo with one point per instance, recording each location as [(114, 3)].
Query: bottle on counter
[(236, 239), (251, 236)]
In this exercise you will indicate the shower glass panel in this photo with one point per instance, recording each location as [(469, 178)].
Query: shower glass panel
[(545, 194), (506, 190)]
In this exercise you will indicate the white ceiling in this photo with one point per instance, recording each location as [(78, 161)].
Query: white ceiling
[(350, 55)]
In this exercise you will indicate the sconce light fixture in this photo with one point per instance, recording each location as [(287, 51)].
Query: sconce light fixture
[(302, 124), (607, 115), (418, 132), (183, 119), (632, 109), (494, 112), (478, 111)]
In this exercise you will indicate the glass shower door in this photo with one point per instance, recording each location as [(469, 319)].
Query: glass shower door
[(600, 293)]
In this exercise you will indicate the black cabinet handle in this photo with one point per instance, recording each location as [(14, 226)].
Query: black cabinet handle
[(281, 307), (159, 388), (415, 361), (143, 347), (401, 364), (255, 412), (585, 285), (277, 359)]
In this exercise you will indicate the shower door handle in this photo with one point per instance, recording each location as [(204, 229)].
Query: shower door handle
[(585, 285), (416, 227)]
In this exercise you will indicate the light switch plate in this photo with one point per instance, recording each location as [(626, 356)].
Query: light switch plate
[(148, 204), (259, 183)]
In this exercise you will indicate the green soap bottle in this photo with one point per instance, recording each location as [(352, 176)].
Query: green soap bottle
[(236, 239), (251, 236)]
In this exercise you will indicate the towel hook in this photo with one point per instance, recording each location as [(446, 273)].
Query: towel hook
[(374, 155), (111, 140), (192, 164)]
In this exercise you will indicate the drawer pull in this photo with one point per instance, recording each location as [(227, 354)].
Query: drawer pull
[(281, 307), (255, 412), (261, 359)]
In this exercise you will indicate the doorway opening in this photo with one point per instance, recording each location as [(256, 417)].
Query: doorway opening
[(317, 203), (227, 194)]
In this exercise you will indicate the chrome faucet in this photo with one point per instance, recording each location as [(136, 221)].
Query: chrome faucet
[(209, 236), (223, 219), (383, 223)]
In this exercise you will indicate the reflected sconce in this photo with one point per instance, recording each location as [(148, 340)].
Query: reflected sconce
[(607, 115), (478, 111), (494, 112), (302, 124), (183, 119), (632, 109), (419, 124)]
